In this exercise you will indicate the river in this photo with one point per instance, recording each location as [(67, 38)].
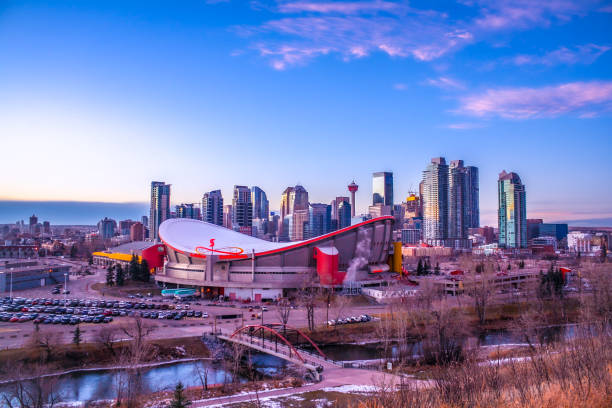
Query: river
[(90, 385)]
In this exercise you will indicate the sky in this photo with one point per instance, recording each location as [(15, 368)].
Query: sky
[(99, 98)]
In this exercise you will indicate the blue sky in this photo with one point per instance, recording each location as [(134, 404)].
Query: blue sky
[(98, 98)]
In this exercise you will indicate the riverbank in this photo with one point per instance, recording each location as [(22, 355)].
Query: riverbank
[(60, 358)]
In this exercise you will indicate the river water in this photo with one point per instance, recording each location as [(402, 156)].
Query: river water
[(102, 384)]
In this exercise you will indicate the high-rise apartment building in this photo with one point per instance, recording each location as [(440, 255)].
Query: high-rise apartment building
[(212, 207), (242, 214), (435, 202), (260, 203), (457, 200), (472, 198), (319, 220), (382, 188), (160, 207), (512, 212)]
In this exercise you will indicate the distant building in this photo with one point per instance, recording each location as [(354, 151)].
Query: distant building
[(227, 216), (124, 226), (512, 213), (160, 207), (382, 188), (533, 227), (46, 227), (212, 207), (22, 275), (579, 242), (379, 210), (298, 199), (106, 228), (353, 187), (137, 232), (298, 224), (472, 198), (260, 202), (188, 211), (33, 223), (344, 215), (411, 236), (242, 207), (335, 204), (412, 206), (319, 219), (559, 231)]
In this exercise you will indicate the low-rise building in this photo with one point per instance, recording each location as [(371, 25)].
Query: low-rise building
[(19, 275)]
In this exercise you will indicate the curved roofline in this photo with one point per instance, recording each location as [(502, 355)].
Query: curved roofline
[(287, 247)]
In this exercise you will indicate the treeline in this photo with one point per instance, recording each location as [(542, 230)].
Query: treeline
[(136, 271)]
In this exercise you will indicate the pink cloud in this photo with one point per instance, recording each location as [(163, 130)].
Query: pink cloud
[(515, 14), (339, 7), (582, 54), (464, 126), (523, 103), (445, 83)]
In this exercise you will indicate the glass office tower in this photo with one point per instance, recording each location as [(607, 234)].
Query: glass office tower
[(382, 188)]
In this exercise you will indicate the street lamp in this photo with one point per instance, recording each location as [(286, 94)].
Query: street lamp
[(11, 295), (65, 285)]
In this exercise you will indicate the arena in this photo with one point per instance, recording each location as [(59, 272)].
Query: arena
[(221, 262)]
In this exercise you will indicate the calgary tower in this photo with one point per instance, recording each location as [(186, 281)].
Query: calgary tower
[(353, 189)]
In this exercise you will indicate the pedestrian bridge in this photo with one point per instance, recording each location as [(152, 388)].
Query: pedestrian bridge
[(272, 339)]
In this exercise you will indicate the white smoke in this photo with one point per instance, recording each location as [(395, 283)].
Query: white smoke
[(362, 254)]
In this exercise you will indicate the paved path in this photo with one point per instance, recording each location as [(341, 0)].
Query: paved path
[(331, 378)]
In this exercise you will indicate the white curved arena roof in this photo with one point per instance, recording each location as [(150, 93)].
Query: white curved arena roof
[(185, 235)]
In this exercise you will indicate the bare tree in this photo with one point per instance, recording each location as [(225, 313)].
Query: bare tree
[(31, 388), (283, 310), (480, 287), (307, 297), (107, 337)]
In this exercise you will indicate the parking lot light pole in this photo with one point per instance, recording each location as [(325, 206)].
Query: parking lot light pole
[(11, 295), (65, 285)]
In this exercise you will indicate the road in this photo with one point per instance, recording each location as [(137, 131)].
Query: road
[(15, 335)]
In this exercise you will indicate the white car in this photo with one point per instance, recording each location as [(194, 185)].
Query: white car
[(204, 315)]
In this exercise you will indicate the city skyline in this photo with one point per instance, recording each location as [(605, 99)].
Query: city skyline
[(132, 83)]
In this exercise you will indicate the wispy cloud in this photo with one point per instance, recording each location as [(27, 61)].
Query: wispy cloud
[(592, 98), (582, 54), (349, 7), (357, 29), (523, 14), (400, 86), (464, 126), (444, 82)]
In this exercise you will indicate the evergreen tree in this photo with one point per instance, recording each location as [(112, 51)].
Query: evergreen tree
[(427, 267), (437, 269), (90, 260), (76, 338), (509, 267), (134, 268), (604, 252), (73, 251), (145, 274), (521, 264), (110, 276), (419, 270), (119, 275), (179, 400)]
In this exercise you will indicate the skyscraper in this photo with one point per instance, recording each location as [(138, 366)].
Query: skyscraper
[(242, 206), (298, 199), (319, 220), (212, 207), (260, 203), (435, 202), (457, 200), (227, 216), (382, 188), (335, 203), (472, 199), (298, 224), (344, 214), (285, 200), (512, 213), (160, 207)]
